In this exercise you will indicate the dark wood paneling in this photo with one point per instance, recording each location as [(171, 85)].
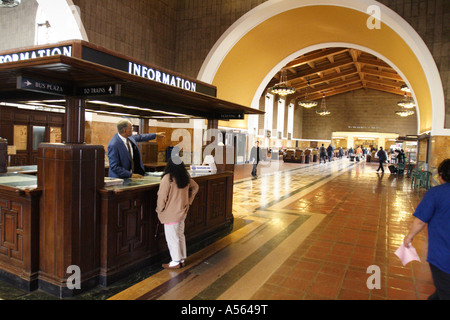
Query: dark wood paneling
[(196, 218), (129, 222), (70, 177), (10, 116), (19, 232)]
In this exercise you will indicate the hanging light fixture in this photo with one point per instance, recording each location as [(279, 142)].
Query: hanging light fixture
[(282, 88), (407, 102), (307, 103), (9, 3), (405, 88), (404, 113), (323, 108)]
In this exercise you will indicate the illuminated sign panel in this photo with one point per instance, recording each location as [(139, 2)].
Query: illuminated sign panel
[(103, 58), (38, 53)]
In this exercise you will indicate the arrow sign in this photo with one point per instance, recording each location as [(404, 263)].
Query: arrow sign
[(229, 116), (98, 90), (30, 84)]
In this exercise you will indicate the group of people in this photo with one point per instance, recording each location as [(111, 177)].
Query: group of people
[(359, 151), (177, 191), (383, 157), (400, 156), (328, 153)]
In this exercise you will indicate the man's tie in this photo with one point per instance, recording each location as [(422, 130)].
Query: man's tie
[(131, 155)]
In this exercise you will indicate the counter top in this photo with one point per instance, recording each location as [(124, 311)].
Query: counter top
[(14, 179), (152, 179), (23, 169), (18, 180), (19, 183)]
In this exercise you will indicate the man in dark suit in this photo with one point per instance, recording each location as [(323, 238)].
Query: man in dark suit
[(382, 157), (123, 153)]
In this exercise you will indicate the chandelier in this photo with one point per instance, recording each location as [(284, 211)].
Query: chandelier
[(9, 3), (323, 108), (405, 88), (407, 102), (307, 103), (404, 113), (282, 88)]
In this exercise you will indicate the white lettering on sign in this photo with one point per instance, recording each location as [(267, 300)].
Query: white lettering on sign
[(19, 56), (49, 87), (162, 77)]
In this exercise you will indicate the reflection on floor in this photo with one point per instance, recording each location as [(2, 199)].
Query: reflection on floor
[(304, 231)]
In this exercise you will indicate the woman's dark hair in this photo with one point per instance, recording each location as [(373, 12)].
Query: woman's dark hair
[(175, 168), (444, 170)]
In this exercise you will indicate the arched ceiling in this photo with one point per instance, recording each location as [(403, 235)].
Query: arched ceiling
[(275, 33), (333, 71)]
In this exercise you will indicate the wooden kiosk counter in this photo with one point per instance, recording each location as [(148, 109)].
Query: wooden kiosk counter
[(129, 222), (66, 216)]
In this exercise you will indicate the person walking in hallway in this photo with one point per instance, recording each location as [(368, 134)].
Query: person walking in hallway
[(176, 193), (434, 211), (255, 156), (322, 154), (359, 153), (382, 157), (330, 150)]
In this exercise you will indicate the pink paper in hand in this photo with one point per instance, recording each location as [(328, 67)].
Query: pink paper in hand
[(407, 255)]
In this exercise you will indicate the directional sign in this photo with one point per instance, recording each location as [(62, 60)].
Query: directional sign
[(99, 90), (29, 84), (229, 116)]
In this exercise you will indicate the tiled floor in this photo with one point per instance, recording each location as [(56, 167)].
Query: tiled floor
[(301, 232), (367, 216), (306, 233)]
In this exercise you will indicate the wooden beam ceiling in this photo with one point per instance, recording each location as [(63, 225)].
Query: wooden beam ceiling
[(333, 71)]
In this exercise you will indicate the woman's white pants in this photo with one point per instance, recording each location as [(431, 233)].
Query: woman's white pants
[(176, 241)]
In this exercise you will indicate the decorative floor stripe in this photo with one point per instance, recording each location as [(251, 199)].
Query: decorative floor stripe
[(213, 291)]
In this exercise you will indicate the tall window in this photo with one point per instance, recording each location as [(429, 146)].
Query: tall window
[(269, 113), (280, 118), (290, 124)]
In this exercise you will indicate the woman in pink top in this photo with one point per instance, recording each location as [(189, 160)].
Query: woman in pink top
[(176, 193)]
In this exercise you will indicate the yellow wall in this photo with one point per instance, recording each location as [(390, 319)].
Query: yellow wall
[(256, 53)]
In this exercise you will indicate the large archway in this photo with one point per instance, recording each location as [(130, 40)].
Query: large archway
[(270, 35)]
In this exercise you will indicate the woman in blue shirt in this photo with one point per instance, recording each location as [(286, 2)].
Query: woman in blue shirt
[(434, 211)]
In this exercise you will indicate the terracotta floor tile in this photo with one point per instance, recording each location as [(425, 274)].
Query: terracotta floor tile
[(276, 279), (348, 294), (334, 269), (300, 273), (288, 294), (403, 271), (297, 284), (425, 287), (325, 290), (398, 294), (406, 284), (309, 265), (263, 294)]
